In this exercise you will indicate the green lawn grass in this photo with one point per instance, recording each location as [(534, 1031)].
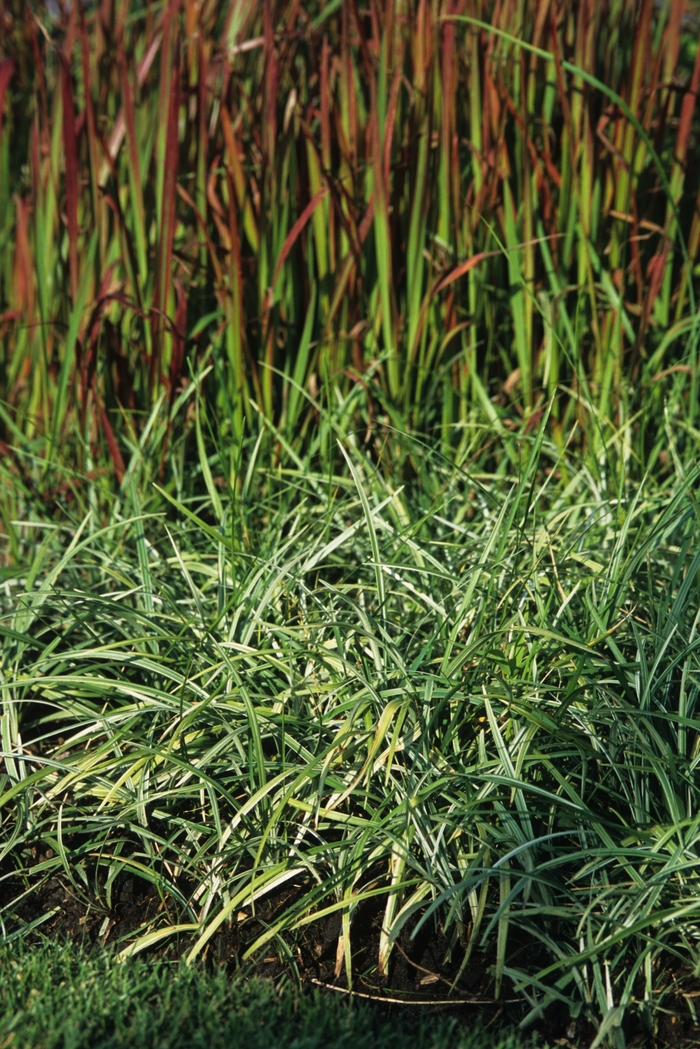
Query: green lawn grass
[(56, 997)]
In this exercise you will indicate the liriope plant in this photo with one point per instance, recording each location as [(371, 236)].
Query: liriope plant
[(470, 701)]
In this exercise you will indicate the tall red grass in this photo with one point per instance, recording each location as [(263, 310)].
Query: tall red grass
[(470, 207)]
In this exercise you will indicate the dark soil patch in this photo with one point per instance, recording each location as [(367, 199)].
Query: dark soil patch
[(421, 969)]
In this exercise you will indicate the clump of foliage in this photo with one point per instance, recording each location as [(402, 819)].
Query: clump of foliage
[(472, 701)]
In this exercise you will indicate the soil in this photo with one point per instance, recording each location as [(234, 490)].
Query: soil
[(421, 969)]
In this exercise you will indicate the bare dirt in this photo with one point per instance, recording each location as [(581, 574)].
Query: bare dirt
[(421, 972)]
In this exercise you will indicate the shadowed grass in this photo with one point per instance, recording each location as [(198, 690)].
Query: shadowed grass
[(55, 997)]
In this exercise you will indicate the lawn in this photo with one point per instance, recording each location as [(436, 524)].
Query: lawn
[(53, 998), (350, 576)]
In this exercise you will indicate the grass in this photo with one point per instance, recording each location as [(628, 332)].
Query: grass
[(55, 998), (349, 574), (472, 702), (466, 210)]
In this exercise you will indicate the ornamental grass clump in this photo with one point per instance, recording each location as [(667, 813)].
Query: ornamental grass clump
[(466, 704)]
